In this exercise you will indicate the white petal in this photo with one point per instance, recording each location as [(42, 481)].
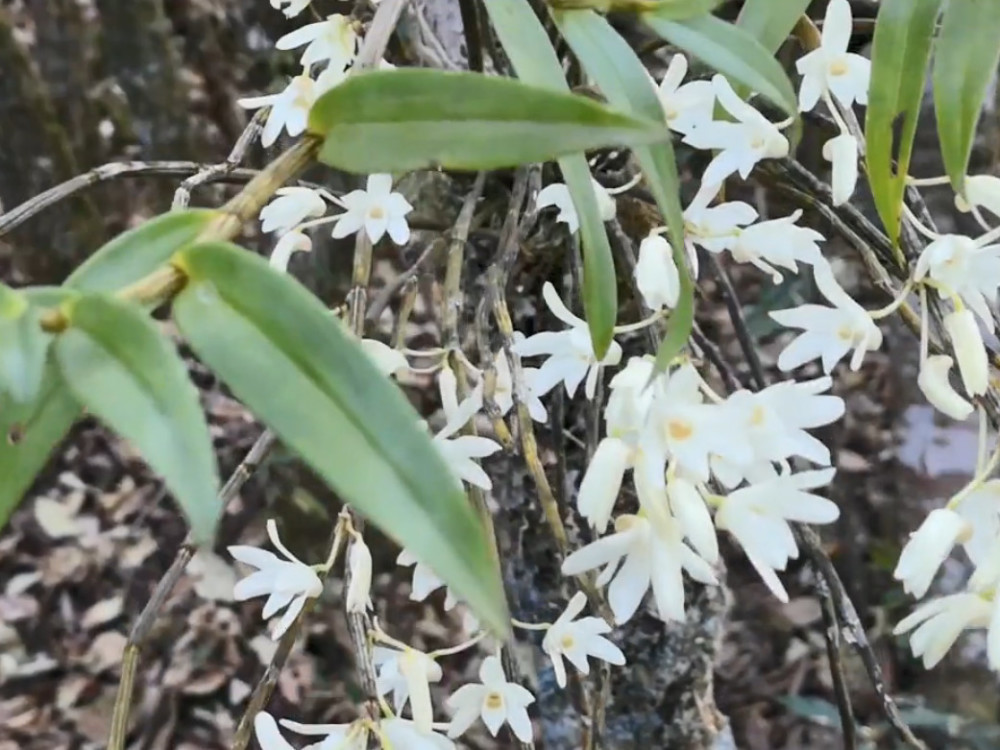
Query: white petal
[(289, 617), (602, 482), (379, 186), (842, 152), (973, 364), (558, 308), (694, 518), (629, 586), (259, 558), (268, 735), (935, 385), (837, 26)]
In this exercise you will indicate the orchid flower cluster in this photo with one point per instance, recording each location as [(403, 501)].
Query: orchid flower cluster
[(700, 463)]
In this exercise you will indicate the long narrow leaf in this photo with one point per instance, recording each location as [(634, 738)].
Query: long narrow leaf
[(965, 60), (732, 51), (123, 370), (283, 354), (23, 345), (620, 75), (904, 31), (770, 21), (30, 431), (530, 52), (399, 120)]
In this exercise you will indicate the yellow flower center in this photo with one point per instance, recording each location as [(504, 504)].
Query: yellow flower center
[(567, 642), (838, 68), (758, 416), (494, 700), (757, 143), (376, 212), (671, 113), (844, 333), (680, 429)]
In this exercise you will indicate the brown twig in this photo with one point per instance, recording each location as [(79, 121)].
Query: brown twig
[(264, 688), (876, 251), (112, 171), (182, 196), (144, 623)]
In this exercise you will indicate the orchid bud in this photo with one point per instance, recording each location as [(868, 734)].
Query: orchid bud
[(359, 561), (963, 330), (933, 382)]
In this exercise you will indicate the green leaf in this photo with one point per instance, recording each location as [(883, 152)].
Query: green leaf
[(771, 21), (618, 72), (23, 345), (965, 60), (134, 254), (394, 121), (530, 52), (674, 9), (31, 430), (122, 369), (681, 10), (732, 51), (285, 356), (904, 30)]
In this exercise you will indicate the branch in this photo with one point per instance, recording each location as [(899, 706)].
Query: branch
[(144, 623), (182, 196), (112, 171)]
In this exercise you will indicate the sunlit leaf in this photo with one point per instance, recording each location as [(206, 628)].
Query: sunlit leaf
[(285, 356), (125, 372)]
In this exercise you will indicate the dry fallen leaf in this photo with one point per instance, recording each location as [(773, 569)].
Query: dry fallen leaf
[(106, 651), (21, 583), (802, 611), (135, 554), (56, 518), (102, 613), (214, 578), (238, 690)]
